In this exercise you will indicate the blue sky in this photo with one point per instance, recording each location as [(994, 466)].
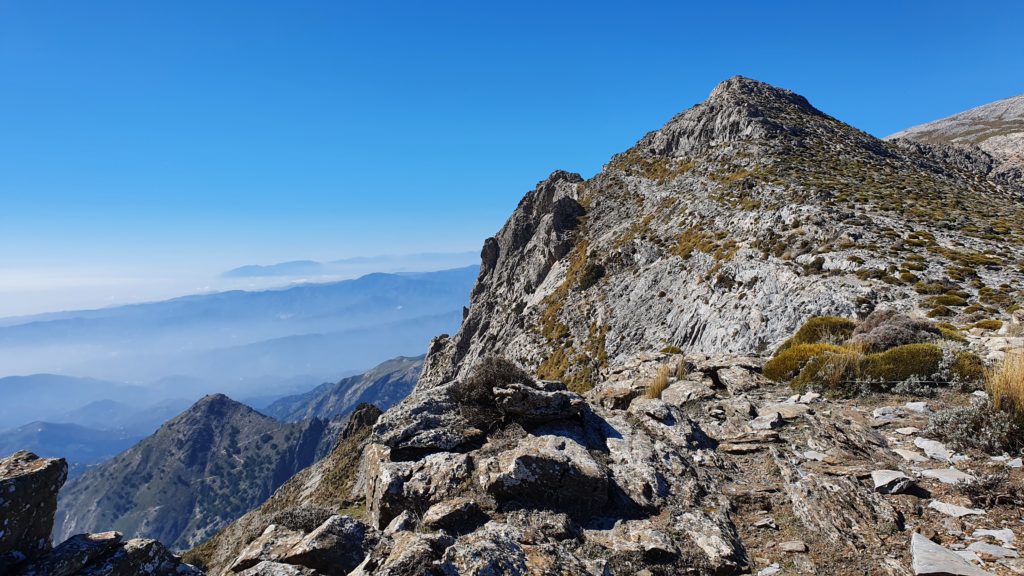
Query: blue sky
[(145, 142)]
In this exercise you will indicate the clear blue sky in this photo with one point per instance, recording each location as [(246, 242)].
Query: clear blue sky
[(144, 137)]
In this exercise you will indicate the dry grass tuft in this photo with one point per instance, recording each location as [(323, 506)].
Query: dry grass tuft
[(1006, 384), (658, 384), (681, 369)]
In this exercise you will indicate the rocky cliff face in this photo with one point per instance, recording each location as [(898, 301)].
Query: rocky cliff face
[(997, 128), (725, 229), (198, 472), (29, 486)]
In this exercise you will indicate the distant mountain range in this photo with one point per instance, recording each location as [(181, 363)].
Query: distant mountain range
[(357, 265), (241, 343)]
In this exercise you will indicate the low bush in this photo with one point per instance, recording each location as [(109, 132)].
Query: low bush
[(988, 324), (834, 371), (967, 367), (902, 362), (945, 300), (788, 362), (821, 330), (979, 426), (883, 330)]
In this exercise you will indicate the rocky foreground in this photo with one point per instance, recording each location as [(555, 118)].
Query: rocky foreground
[(28, 502), (726, 472)]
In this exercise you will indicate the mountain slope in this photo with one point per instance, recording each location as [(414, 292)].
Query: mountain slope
[(725, 229), (383, 386), (199, 471), (996, 128)]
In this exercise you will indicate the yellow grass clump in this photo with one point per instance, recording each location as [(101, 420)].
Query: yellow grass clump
[(658, 384), (1006, 384)]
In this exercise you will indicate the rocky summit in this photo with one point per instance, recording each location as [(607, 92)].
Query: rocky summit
[(752, 344)]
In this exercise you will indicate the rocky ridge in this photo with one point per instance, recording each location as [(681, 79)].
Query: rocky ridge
[(29, 487), (722, 231), (996, 128)]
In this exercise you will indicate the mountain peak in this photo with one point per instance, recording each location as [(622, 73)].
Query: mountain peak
[(739, 109)]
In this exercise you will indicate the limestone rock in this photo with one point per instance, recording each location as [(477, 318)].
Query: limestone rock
[(890, 481), (930, 559), (268, 568), (460, 514), (274, 544), (28, 501), (548, 471), (954, 510), (140, 557), (538, 402), (334, 548)]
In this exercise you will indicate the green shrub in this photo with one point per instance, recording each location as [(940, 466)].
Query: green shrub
[(902, 362), (988, 324), (788, 362), (592, 273), (968, 367), (832, 371), (940, 312), (945, 300), (821, 330), (671, 349)]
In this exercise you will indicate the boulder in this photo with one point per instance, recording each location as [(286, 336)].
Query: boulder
[(551, 472), (334, 548), (934, 449), (268, 568), (427, 421), (273, 544), (74, 554), (457, 515), (954, 510), (537, 402), (28, 502), (738, 379), (395, 487)]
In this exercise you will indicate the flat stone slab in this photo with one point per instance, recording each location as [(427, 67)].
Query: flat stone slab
[(992, 552), (919, 407), (910, 455), (786, 410), (954, 510), (930, 559), (907, 430), (1004, 535), (948, 475), (934, 449)]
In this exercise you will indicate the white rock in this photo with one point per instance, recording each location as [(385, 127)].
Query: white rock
[(930, 559), (808, 398), (919, 407), (767, 422), (890, 481), (770, 570), (934, 449), (1015, 463), (948, 475), (910, 455), (984, 550), (794, 546), (954, 510), (814, 455), (1004, 535), (908, 430)]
